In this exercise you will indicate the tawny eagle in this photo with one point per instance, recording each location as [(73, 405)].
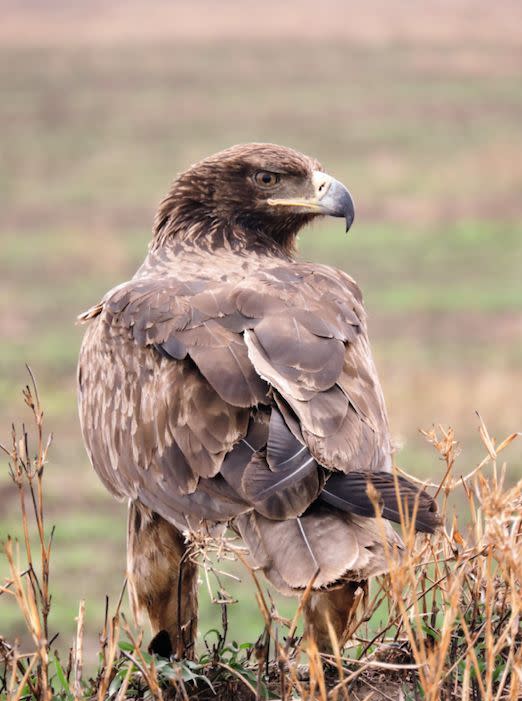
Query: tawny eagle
[(229, 384)]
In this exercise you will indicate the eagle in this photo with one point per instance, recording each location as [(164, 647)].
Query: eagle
[(229, 384)]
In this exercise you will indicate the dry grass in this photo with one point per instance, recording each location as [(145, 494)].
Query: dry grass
[(452, 609)]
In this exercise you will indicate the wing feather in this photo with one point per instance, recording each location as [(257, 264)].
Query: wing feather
[(350, 493)]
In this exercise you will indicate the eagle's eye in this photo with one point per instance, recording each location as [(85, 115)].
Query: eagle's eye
[(265, 178)]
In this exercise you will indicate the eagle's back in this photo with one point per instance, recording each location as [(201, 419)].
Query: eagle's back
[(231, 393)]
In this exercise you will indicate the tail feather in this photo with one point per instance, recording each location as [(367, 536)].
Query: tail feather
[(324, 543)]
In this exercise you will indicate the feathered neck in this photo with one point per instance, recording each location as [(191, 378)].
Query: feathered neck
[(182, 219)]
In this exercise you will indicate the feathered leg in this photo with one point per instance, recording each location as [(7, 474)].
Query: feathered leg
[(337, 606), (163, 581)]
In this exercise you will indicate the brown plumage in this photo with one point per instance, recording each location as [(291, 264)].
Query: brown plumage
[(228, 383)]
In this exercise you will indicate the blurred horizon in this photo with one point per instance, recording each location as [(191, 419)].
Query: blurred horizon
[(415, 107), (379, 22)]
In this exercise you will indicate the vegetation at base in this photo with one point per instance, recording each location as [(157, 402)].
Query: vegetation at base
[(443, 624)]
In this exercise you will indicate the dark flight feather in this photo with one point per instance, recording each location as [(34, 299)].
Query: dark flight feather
[(350, 493), (283, 450), (239, 457), (284, 493)]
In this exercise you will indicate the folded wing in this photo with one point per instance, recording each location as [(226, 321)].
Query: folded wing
[(252, 397)]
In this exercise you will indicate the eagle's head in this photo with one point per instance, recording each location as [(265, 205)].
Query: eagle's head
[(252, 192)]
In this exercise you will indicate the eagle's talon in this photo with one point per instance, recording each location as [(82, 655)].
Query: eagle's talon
[(161, 645)]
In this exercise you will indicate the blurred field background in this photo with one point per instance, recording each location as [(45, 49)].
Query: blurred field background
[(416, 107)]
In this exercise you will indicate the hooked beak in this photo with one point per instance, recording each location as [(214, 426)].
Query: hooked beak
[(330, 198)]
